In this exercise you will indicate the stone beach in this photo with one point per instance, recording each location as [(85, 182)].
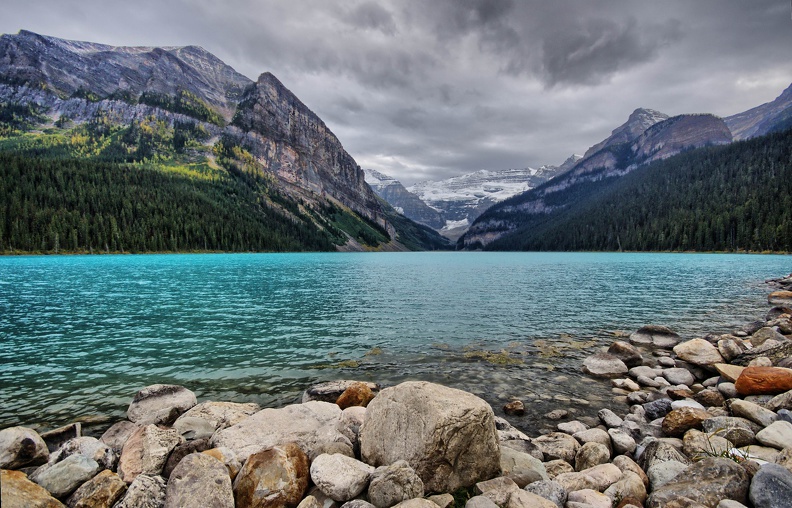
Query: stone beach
[(706, 422)]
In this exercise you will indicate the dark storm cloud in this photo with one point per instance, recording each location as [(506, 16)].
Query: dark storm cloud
[(434, 88)]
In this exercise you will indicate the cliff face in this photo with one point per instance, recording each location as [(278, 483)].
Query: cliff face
[(404, 201), (769, 117)]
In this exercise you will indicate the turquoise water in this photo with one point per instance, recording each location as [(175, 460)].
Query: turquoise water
[(81, 334)]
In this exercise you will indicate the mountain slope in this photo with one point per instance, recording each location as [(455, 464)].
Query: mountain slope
[(773, 116), (171, 108), (614, 160), (718, 198), (404, 201)]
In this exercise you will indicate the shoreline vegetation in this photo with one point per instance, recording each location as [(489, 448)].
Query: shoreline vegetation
[(706, 422), (97, 252)]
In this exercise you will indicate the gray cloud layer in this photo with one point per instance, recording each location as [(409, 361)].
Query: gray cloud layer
[(433, 88)]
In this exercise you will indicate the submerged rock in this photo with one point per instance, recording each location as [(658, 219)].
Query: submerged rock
[(604, 365), (656, 336), (160, 404)]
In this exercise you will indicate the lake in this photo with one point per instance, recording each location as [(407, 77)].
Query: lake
[(81, 334)]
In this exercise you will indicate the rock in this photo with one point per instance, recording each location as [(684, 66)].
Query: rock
[(698, 445), (557, 467), (524, 499), (202, 420), (89, 447), (604, 365), (698, 352), (572, 427), (764, 380), (659, 451), (330, 391), (677, 404), (591, 454), (498, 490), (442, 500), (630, 485), (729, 372), (626, 464), (349, 424), (661, 473), (557, 414), (730, 503), (753, 412), (63, 478), (679, 393), (558, 445), (513, 462), (597, 478), (776, 312), (19, 492), (760, 453), (199, 480), (771, 487), (626, 384), (356, 394), (780, 298), (273, 478), (781, 401), (771, 349), (340, 477), (609, 418), (657, 408), (506, 431), (731, 348), (626, 352), (228, 458), (181, 451), (785, 458), (622, 442), (762, 361), (710, 397), (146, 451), (515, 408), (479, 502), (56, 437), (764, 334), (310, 501), (160, 404), (588, 498), (644, 371), (417, 503), (308, 425), (679, 376), (656, 336), (145, 492), (728, 390), (393, 484), (778, 435), (118, 433), (453, 444), (101, 491), (20, 447), (679, 421), (524, 447), (785, 415), (550, 490), (595, 435), (706, 482)]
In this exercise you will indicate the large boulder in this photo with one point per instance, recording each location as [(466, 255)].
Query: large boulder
[(739, 431), (101, 491), (698, 352), (273, 478), (89, 447), (63, 478), (340, 477), (558, 445), (771, 487), (393, 484), (705, 482), (310, 425), (752, 411), (679, 421), (20, 447), (448, 436), (626, 352), (655, 336), (116, 436), (517, 463), (160, 404), (146, 451), (764, 380), (147, 491), (199, 480), (204, 419), (604, 365), (19, 492)]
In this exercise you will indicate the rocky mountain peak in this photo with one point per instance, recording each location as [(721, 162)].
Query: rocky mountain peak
[(638, 121), (769, 117)]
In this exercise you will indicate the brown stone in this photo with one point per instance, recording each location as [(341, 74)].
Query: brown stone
[(516, 408), (228, 458), (358, 394), (780, 298), (679, 421), (146, 451), (709, 397), (764, 380), (19, 492), (729, 372), (273, 478), (101, 491), (679, 393)]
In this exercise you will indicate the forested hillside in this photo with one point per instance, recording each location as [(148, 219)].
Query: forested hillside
[(727, 198)]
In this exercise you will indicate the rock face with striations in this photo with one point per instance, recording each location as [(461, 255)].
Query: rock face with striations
[(448, 436)]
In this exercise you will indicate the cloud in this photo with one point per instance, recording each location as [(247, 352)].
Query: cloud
[(372, 16)]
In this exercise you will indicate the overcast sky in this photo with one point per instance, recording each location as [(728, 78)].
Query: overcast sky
[(427, 89)]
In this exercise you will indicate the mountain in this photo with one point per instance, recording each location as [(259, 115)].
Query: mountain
[(773, 116), (404, 201), (614, 157), (182, 111), (461, 199)]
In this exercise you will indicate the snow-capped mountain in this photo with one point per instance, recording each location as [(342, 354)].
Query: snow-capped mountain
[(404, 201)]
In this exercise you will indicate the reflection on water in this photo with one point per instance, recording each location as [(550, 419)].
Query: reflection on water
[(81, 334)]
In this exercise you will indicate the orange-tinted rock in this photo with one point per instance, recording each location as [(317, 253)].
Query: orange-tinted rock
[(763, 380), (679, 421), (780, 298), (101, 491), (273, 478), (516, 408), (358, 394), (19, 492)]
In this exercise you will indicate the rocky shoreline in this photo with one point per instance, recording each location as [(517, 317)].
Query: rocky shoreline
[(709, 424)]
